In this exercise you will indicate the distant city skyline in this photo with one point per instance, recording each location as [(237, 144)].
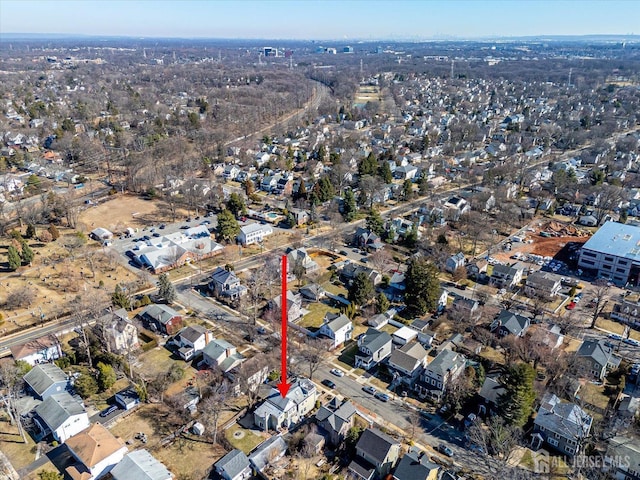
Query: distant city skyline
[(346, 20)]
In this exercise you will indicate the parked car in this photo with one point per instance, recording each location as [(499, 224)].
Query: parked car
[(369, 389), (614, 336), (442, 448), (343, 252), (383, 397), (632, 342), (571, 305), (337, 373), (328, 383), (108, 411)]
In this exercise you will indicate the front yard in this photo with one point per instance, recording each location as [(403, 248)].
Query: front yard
[(244, 439)]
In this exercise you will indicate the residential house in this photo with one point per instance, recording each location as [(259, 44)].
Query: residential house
[(397, 286), (301, 257), (249, 374), (489, 394), (230, 172), (376, 455), (62, 416), (301, 217), (542, 285), (445, 368), (120, 333), (336, 419), (505, 276), (379, 320), (162, 318), (140, 465), (622, 458), (454, 262), (598, 357), (367, 240), (509, 323), (253, 233), (313, 292), (277, 412), (220, 353), (416, 466), (455, 207), (627, 311), (405, 172), (96, 451), (40, 350), (267, 453), (373, 347), (464, 308), (225, 284), (234, 466), (46, 379), (294, 305), (407, 363), (191, 340), (127, 398), (351, 270), (337, 327), (549, 335), (269, 183), (561, 425), (188, 399)]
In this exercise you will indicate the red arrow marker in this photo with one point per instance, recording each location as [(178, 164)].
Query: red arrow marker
[(284, 386)]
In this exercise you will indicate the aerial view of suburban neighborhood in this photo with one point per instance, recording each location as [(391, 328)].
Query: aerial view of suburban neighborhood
[(455, 226)]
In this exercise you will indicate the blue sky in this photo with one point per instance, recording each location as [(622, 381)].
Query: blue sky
[(321, 20)]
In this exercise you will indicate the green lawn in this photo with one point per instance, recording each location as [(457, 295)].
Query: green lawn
[(594, 395), (390, 329), (157, 360), (335, 289), (316, 314), (248, 440)]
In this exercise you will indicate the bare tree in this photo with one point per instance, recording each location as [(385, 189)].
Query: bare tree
[(215, 402), (11, 380), (381, 260), (599, 299), (497, 444), (314, 352)]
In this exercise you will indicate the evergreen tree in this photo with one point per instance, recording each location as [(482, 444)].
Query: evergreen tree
[(119, 298), (106, 376), (382, 303), (422, 286), (13, 257), (236, 204), (411, 237), (166, 289), (516, 403), (385, 172), (368, 165), (302, 191), (349, 206), (423, 184), (375, 223), (31, 231), (326, 189), (27, 253), (85, 385), (228, 227), (407, 189), (361, 289)]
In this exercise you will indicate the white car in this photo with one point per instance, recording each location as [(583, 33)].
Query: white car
[(337, 373)]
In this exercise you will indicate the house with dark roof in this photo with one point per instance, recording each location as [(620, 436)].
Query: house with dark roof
[(162, 318), (96, 452), (234, 466), (598, 357), (313, 292), (140, 465), (46, 379), (220, 353), (40, 350), (407, 363), (376, 455), (336, 419), (509, 323), (416, 466), (445, 368), (191, 340), (294, 305), (62, 416), (381, 319), (267, 453), (454, 262), (489, 394), (373, 347), (225, 284), (505, 276), (561, 425), (337, 327), (542, 285), (367, 240)]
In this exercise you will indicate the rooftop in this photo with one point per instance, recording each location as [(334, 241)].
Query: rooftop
[(616, 239)]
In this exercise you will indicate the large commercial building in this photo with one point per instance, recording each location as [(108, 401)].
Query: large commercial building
[(613, 252)]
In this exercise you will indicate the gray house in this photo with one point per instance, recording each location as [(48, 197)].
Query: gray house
[(562, 425), (226, 284), (46, 379), (336, 419), (234, 466), (373, 347), (267, 452), (440, 372), (598, 357), (454, 262), (140, 465), (504, 276), (508, 323), (376, 454), (407, 363)]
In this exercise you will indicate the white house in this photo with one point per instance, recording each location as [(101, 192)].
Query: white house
[(253, 233), (191, 340), (121, 334), (337, 327), (96, 450), (61, 415), (220, 353), (40, 350), (404, 335), (277, 412)]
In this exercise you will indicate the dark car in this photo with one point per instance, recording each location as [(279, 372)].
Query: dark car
[(162, 226), (328, 383), (369, 389), (108, 411), (383, 397), (156, 234), (130, 254), (445, 450)]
